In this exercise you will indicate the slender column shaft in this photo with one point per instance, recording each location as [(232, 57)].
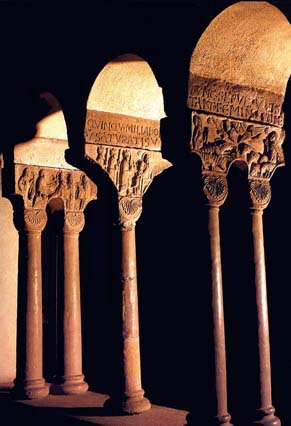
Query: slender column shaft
[(134, 399), (223, 418), (266, 409), (34, 384), (73, 378)]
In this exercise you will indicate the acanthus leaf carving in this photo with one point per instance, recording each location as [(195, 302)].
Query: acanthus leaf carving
[(260, 193), (215, 188)]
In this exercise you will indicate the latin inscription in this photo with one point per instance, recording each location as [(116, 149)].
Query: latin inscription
[(235, 101), (119, 130)]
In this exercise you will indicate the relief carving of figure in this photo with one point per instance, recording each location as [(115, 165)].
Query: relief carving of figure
[(112, 164), (82, 192), (197, 137), (26, 184), (143, 176), (69, 192), (126, 171), (100, 158), (45, 187)]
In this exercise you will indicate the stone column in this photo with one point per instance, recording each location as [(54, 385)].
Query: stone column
[(260, 192), (215, 189), (73, 377), (134, 401), (34, 385)]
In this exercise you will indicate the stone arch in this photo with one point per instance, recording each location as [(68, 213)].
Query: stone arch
[(127, 85), (239, 72)]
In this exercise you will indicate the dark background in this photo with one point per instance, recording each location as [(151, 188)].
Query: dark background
[(60, 47)]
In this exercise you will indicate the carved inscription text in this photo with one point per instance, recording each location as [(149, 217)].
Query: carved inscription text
[(233, 100), (120, 130)]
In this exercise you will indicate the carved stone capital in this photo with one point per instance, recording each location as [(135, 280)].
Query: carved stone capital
[(130, 209), (260, 193), (74, 222), (215, 188), (39, 185), (219, 141), (34, 220)]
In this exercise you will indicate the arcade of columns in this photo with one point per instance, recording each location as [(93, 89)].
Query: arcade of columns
[(233, 121)]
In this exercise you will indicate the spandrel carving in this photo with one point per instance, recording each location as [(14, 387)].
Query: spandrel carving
[(220, 141), (39, 185)]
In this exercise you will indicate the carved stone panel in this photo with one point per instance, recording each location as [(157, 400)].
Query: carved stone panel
[(38, 185), (131, 170), (120, 130), (234, 100), (220, 141)]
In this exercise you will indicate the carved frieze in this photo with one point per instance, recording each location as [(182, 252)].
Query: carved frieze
[(234, 100), (127, 148), (220, 141), (131, 170), (38, 185)]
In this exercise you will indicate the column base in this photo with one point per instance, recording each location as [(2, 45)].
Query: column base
[(30, 389), (134, 403), (215, 421), (266, 417), (73, 385)]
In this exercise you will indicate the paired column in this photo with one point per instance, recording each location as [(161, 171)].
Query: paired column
[(215, 190), (73, 379), (260, 192), (34, 385)]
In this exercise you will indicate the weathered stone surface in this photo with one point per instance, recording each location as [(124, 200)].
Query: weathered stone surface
[(219, 141), (122, 136), (8, 291), (39, 185), (235, 100), (248, 44), (127, 85)]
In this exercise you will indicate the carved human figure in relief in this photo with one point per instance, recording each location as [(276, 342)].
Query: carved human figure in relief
[(112, 164), (69, 192), (82, 192), (100, 158), (143, 175), (26, 184), (45, 187), (197, 137), (126, 171)]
